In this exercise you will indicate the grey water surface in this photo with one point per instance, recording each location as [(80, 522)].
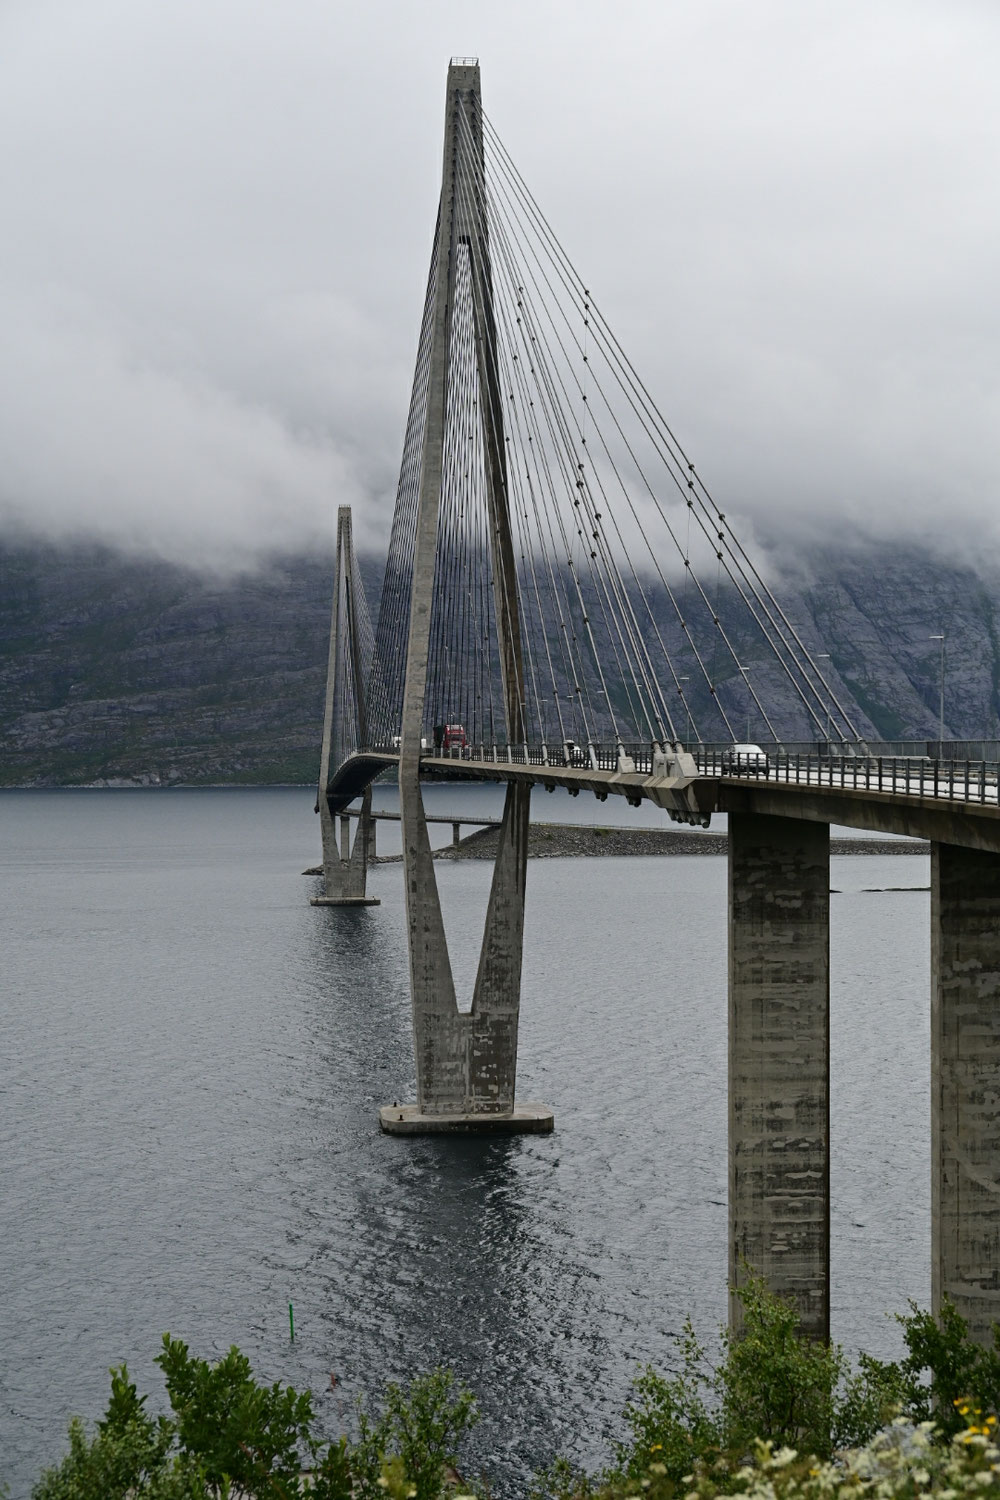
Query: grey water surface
[(192, 1063)]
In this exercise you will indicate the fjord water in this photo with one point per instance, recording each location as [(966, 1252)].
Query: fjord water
[(193, 1060)]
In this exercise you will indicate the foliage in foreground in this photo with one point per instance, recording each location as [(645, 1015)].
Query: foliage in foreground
[(774, 1388), (228, 1436), (770, 1385), (902, 1461), (778, 1418)]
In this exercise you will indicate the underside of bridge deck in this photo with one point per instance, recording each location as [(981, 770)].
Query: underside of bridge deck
[(969, 824)]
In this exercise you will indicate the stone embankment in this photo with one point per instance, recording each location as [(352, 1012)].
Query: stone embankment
[(568, 840)]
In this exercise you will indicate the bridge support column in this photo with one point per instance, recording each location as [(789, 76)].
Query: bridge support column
[(466, 1060), (779, 1062), (345, 867), (965, 1084)]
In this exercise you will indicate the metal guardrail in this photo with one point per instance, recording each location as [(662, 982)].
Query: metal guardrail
[(920, 776), (847, 768)]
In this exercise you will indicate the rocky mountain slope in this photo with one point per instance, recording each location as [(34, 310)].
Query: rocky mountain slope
[(116, 670)]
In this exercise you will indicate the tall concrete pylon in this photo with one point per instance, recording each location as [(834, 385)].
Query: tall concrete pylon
[(466, 1061), (345, 864)]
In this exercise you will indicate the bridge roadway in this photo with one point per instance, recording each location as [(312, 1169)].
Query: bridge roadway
[(945, 801)]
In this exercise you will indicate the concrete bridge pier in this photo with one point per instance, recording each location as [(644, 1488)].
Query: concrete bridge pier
[(466, 1060), (345, 866), (779, 1062), (965, 1084)]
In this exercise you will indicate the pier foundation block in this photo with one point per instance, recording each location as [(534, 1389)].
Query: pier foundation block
[(965, 1084), (407, 1119), (779, 1062)]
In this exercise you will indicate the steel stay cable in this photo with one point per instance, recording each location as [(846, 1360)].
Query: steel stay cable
[(600, 582), (555, 689), (485, 595), (450, 552), (460, 491), (655, 498), (517, 469), (527, 458), (651, 682), (519, 511), (392, 625), (679, 458), (582, 684), (681, 619), (463, 499), (716, 618), (579, 677), (536, 453), (600, 578), (478, 263), (736, 550), (442, 594), (561, 459), (651, 694), (461, 487)]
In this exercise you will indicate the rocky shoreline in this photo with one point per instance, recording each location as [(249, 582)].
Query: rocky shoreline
[(574, 840)]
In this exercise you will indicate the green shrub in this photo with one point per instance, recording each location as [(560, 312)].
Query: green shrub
[(230, 1436), (778, 1417), (122, 1461), (770, 1385), (239, 1431), (944, 1369), (421, 1427)]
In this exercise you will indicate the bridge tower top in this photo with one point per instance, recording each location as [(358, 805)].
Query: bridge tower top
[(463, 78)]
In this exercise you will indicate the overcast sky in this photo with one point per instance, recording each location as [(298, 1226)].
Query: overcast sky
[(216, 223)]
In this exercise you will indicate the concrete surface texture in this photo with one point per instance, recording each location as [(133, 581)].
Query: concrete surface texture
[(345, 864), (779, 1062), (965, 1084)]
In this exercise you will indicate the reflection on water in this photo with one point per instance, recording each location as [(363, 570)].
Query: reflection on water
[(197, 1056)]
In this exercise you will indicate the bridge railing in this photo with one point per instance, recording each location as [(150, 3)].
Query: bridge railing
[(845, 767), (913, 775)]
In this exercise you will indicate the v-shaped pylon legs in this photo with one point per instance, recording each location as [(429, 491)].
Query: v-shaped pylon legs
[(345, 866), (496, 1003), (466, 1061)]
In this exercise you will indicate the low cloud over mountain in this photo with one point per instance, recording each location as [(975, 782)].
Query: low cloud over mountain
[(219, 219)]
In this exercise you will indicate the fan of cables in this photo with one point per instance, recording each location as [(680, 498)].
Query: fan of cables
[(641, 616)]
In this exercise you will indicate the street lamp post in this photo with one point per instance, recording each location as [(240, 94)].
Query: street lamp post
[(941, 695)]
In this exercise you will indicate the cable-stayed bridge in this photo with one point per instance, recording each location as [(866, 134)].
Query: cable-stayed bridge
[(551, 614)]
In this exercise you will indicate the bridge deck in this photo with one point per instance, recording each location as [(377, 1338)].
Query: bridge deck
[(954, 802)]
